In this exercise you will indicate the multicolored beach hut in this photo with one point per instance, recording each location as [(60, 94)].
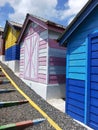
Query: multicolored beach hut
[(81, 39), (12, 50), (42, 61), (1, 45)]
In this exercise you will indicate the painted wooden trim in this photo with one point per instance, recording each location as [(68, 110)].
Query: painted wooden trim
[(54, 44), (56, 29), (47, 63), (67, 79), (77, 21), (87, 82)]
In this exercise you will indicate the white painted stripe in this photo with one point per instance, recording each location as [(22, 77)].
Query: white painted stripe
[(57, 72), (42, 54), (21, 70), (21, 67), (42, 71), (42, 67), (21, 54), (43, 51)]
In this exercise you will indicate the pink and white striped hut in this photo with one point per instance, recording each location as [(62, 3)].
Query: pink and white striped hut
[(42, 61)]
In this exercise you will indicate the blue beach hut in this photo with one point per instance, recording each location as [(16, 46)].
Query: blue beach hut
[(81, 39)]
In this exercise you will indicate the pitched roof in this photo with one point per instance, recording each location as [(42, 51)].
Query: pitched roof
[(86, 10), (13, 25), (48, 21), (43, 22)]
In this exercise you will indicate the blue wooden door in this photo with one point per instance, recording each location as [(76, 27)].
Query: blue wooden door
[(93, 72)]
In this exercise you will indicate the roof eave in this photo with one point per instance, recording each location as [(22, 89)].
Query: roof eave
[(75, 23)]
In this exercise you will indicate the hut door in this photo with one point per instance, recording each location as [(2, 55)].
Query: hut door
[(93, 82), (31, 57)]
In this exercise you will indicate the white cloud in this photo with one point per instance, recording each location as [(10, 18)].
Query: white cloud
[(43, 8), (74, 7)]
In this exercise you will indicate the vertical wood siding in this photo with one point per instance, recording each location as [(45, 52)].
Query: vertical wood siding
[(93, 106)]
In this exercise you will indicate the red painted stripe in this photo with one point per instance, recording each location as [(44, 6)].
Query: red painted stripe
[(24, 123), (54, 44)]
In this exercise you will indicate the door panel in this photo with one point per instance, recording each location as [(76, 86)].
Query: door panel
[(93, 106)]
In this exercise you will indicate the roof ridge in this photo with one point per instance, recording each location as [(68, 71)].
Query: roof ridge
[(47, 20), (15, 22)]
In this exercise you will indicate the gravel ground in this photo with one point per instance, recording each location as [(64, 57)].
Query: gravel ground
[(63, 120)]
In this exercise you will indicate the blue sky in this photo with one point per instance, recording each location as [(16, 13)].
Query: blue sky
[(60, 11), (4, 13)]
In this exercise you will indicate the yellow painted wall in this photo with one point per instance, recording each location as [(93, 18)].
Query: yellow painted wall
[(11, 37)]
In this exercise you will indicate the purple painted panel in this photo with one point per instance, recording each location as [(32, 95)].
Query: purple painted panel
[(54, 44), (55, 61), (53, 79)]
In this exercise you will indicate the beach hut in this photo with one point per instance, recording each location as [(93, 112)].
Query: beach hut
[(12, 50), (42, 61), (81, 39), (1, 44)]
